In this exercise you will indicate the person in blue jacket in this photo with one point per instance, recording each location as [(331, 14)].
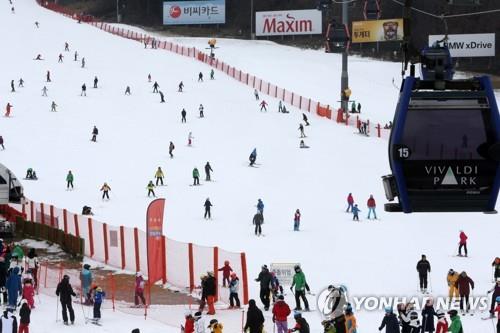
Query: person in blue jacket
[(86, 278), (14, 287), (390, 322), (99, 295), (253, 157), (355, 212), (260, 206)]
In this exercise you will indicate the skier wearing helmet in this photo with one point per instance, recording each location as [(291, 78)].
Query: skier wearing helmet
[(299, 281), (442, 323), (301, 324), (226, 272), (234, 286)]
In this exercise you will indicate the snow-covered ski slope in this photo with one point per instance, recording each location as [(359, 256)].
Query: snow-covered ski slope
[(369, 257)]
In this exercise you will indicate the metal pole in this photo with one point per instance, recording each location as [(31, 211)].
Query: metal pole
[(117, 12), (251, 20), (344, 83)]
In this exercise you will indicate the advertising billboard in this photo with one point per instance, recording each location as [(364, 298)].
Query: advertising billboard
[(468, 45), (288, 22), (388, 30), (194, 12)]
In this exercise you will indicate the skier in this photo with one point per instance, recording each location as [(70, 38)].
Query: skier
[(255, 318), (256, 94), (12, 88), (190, 139), (210, 287), (29, 173), (280, 106), (390, 322), (207, 205), (95, 132), (234, 285), (162, 97), (202, 115), (299, 281), (276, 287), (301, 324), (37, 24), (181, 86), (8, 321), (65, 291), (127, 90), (208, 169), (353, 107), (8, 109), (496, 268), (155, 87), (359, 107), (456, 323), (303, 145), (199, 324), (212, 74), (149, 77), (423, 268), (301, 129), (428, 314), (464, 285), (263, 105), (452, 278), (29, 292), (84, 90), (1, 142), (83, 62), (48, 76), (226, 272), (86, 281), (69, 180), (260, 206), (350, 320), (350, 202), (200, 77), (76, 56), (183, 115), (304, 118), (99, 295), (53, 107), (496, 293), (281, 311), (66, 47), (442, 323), (13, 285), (462, 243), (139, 290), (38, 57), (171, 148), (24, 317), (21, 83), (371, 207), (150, 188), (188, 324), (296, 220), (196, 176), (355, 212), (265, 281), (105, 191), (60, 58), (44, 91), (159, 176), (95, 82), (253, 157)]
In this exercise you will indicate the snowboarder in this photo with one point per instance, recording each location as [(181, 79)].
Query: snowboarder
[(84, 90), (155, 87), (196, 176), (496, 293), (48, 76), (86, 281), (24, 317), (281, 311), (371, 207), (69, 180), (451, 279), (442, 323), (60, 58), (190, 139), (355, 212), (253, 157), (44, 91), (208, 215), (464, 285), (390, 322), (303, 145), (76, 56), (258, 220), (456, 323), (12, 88), (181, 86), (95, 132), (208, 169), (99, 295), (212, 74), (202, 115), (21, 83), (13, 285), (66, 47), (301, 129), (234, 285), (296, 220), (200, 77), (162, 97), (462, 243), (428, 314), (304, 118), (139, 290), (171, 148), (29, 173), (299, 281), (127, 90), (95, 82), (183, 116), (159, 176), (256, 94), (8, 109), (350, 202), (105, 191), (260, 206), (53, 107), (265, 281), (226, 273), (301, 324), (1, 142), (255, 318), (83, 62), (150, 188), (65, 291), (423, 268), (263, 105)]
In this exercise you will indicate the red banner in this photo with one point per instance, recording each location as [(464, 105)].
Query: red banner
[(154, 232)]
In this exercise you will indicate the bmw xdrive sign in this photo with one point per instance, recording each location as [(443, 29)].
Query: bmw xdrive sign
[(194, 12)]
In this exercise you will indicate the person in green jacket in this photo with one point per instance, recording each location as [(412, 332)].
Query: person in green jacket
[(456, 323), (196, 176), (150, 188), (69, 180), (299, 281), (18, 252)]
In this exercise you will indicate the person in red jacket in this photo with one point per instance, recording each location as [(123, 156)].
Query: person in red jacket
[(350, 203), (462, 243), (281, 311), (189, 324), (226, 273), (139, 289), (371, 207), (464, 285), (263, 105), (442, 323), (29, 292), (497, 310), (7, 109)]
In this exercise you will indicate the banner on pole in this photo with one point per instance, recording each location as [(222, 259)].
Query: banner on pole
[(154, 231), (377, 31)]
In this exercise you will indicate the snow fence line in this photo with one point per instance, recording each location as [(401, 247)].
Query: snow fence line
[(291, 98), (183, 263)]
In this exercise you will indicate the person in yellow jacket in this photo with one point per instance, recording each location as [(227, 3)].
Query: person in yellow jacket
[(215, 326), (452, 278), (159, 176), (150, 188)]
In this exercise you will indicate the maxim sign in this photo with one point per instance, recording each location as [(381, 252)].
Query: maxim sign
[(291, 22)]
